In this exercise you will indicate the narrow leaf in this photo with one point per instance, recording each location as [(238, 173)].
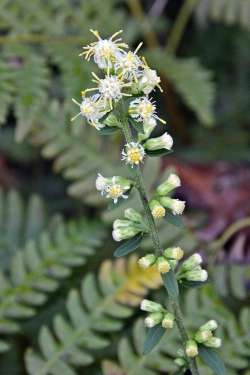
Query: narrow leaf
[(211, 358), (108, 130), (174, 220), (162, 152), (153, 337), (171, 284), (128, 246)]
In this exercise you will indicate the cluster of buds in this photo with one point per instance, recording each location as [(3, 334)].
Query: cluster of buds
[(129, 227), (204, 336), (191, 269), (161, 201), (165, 262), (158, 315), (113, 187)]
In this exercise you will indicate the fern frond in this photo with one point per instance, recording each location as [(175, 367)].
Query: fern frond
[(191, 80), (32, 81), (99, 307), (19, 222), (228, 11), (6, 89), (231, 281), (37, 270)]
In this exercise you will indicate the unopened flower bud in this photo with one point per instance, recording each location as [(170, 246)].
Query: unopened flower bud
[(203, 336), (158, 211), (191, 349), (175, 205), (174, 253), (153, 319), (163, 265), (121, 223), (124, 233), (150, 306), (213, 342), (132, 214), (172, 182), (193, 261), (211, 325), (165, 141), (168, 321), (180, 362), (199, 275), (148, 127), (147, 261)]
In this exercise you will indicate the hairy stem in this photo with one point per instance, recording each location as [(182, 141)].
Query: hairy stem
[(157, 246)]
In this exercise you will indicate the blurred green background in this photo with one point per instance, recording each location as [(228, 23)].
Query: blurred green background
[(52, 222)]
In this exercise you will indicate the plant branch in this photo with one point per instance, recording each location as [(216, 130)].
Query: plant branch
[(157, 246), (179, 26)]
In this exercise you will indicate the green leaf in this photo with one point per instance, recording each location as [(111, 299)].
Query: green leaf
[(162, 152), (171, 284), (108, 130), (211, 358), (128, 246), (193, 284), (154, 335), (174, 219)]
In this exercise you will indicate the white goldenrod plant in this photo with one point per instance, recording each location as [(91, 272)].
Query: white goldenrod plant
[(121, 100)]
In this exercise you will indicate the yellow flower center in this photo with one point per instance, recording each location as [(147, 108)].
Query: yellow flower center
[(130, 60), (146, 109), (158, 212), (134, 155), (115, 191), (87, 109)]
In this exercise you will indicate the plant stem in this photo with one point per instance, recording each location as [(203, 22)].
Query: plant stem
[(157, 246)]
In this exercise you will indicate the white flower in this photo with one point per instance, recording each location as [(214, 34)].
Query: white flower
[(211, 325), (158, 211), (174, 253), (123, 233), (192, 262), (133, 153), (105, 51), (128, 64), (109, 89), (163, 265), (149, 80), (191, 349), (168, 321), (101, 183), (165, 141), (143, 109), (115, 190), (174, 180), (92, 109)]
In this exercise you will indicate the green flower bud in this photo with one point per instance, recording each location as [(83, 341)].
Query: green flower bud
[(132, 214), (193, 261), (150, 306), (148, 127), (163, 265), (168, 321), (125, 183), (153, 319), (175, 253), (172, 182), (147, 261), (211, 325), (173, 263), (175, 205), (191, 349), (158, 211), (196, 275), (213, 342), (203, 336), (163, 142), (180, 362), (124, 233), (121, 223)]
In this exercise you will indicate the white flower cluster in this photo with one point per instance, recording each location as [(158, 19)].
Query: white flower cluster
[(125, 73), (191, 269)]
